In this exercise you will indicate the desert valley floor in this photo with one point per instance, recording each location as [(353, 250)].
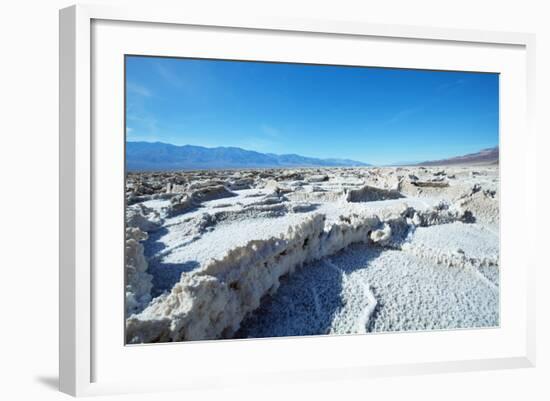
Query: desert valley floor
[(252, 253)]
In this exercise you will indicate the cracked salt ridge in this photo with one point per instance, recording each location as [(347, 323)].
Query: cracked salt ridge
[(212, 302), (371, 289), (177, 247)]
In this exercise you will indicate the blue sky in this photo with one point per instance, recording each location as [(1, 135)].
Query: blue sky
[(374, 115)]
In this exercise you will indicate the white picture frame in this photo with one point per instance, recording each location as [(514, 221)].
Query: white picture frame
[(79, 344)]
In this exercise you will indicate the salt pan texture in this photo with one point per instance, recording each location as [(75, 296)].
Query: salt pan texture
[(275, 252)]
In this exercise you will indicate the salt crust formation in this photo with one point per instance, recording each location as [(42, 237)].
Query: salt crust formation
[(138, 281), (212, 300)]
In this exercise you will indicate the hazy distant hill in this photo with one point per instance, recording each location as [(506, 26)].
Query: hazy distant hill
[(142, 156), (484, 156)]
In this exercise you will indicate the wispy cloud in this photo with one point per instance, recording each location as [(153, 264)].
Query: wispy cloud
[(411, 111), (138, 89), (259, 144), (451, 85), (404, 114), (268, 140), (270, 130), (168, 75), (146, 124)]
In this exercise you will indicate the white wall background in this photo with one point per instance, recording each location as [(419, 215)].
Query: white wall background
[(29, 201)]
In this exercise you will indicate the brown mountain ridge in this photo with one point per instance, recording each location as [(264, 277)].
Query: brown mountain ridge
[(484, 156)]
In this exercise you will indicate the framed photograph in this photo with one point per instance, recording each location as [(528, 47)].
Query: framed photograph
[(278, 200)]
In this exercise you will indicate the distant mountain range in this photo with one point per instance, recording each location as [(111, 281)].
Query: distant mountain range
[(484, 156), (157, 156)]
